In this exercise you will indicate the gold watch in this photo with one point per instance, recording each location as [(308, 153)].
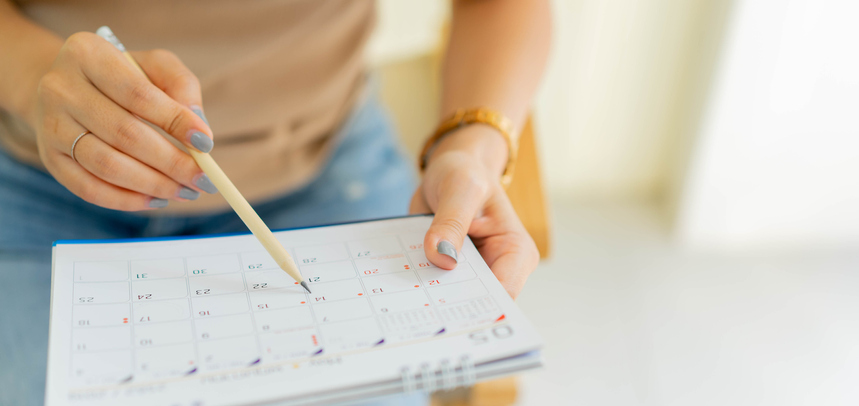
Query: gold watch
[(480, 115)]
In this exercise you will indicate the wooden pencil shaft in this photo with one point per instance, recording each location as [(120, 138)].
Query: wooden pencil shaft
[(246, 213), (240, 205)]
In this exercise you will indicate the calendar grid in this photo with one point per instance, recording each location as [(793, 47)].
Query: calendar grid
[(215, 321), (211, 295), (190, 320)]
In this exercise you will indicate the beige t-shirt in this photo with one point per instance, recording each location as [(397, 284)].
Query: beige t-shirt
[(278, 77)]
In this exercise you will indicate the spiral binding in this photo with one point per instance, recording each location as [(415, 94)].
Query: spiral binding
[(448, 381), (409, 384), (427, 379), (469, 375)]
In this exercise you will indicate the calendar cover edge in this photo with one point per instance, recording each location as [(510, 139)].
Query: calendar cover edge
[(220, 235)]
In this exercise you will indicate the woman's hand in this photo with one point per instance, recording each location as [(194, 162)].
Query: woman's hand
[(124, 164), (461, 185)]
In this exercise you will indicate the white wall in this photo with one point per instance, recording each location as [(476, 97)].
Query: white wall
[(619, 114), (406, 29), (777, 159), (607, 109), (618, 84)]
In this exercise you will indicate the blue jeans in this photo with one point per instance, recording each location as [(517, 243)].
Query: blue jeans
[(367, 177)]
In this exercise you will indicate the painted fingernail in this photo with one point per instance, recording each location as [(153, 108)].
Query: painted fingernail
[(188, 193), (157, 203), (199, 112), (202, 141), (203, 182), (446, 248)]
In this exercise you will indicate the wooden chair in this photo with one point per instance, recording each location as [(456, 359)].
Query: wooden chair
[(527, 194)]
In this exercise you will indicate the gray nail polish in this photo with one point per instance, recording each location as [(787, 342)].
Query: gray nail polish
[(206, 184), (199, 113), (157, 203), (446, 248), (202, 142), (188, 193)]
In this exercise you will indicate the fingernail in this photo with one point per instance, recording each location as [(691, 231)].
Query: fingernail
[(202, 141), (446, 248), (157, 203), (199, 112), (203, 182), (188, 193)]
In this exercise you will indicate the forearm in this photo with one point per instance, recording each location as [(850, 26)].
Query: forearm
[(495, 57), (27, 52)]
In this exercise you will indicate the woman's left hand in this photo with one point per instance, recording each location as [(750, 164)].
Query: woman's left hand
[(461, 185)]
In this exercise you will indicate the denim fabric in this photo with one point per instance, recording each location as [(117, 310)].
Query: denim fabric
[(366, 177)]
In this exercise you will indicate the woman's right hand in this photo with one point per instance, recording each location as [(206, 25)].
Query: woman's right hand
[(124, 164)]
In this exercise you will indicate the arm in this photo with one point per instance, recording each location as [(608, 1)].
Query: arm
[(496, 55), (28, 52), (495, 58)]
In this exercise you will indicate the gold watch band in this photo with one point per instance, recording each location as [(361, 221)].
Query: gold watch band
[(480, 115)]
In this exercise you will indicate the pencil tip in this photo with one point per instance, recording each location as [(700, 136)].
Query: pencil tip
[(304, 284)]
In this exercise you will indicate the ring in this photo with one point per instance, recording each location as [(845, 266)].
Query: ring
[(76, 143)]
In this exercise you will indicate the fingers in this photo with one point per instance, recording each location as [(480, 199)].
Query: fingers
[(468, 199), (487, 215), (513, 267), (505, 244), (118, 79), (124, 164), (129, 135), (459, 200), (94, 190), (114, 167), (500, 237), (168, 73)]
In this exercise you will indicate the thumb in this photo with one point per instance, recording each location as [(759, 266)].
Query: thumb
[(168, 73), (457, 207), (419, 204)]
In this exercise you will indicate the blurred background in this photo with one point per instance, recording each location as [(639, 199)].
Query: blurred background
[(700, 163)]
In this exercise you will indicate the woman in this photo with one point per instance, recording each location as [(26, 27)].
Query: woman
[(299, 132)]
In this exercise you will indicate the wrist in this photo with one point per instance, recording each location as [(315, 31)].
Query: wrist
[(27, 101), (29, 98), (482, 142)]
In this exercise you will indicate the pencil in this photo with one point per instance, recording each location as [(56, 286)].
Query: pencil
[(228, 190)]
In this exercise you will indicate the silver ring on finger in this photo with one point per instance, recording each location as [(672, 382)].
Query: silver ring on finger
[(76, 143)]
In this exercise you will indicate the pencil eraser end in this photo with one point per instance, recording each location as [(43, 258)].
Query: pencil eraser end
[(106, 33)]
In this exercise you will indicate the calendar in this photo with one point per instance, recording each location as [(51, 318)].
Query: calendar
[(213, 321)]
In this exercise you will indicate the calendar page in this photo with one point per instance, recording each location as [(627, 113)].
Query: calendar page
[(213, 320)]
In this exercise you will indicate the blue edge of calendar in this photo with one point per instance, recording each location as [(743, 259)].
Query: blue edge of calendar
[(202, 236)]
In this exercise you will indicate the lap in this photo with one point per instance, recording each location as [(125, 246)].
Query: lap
[(36, 210), (25, 287)]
